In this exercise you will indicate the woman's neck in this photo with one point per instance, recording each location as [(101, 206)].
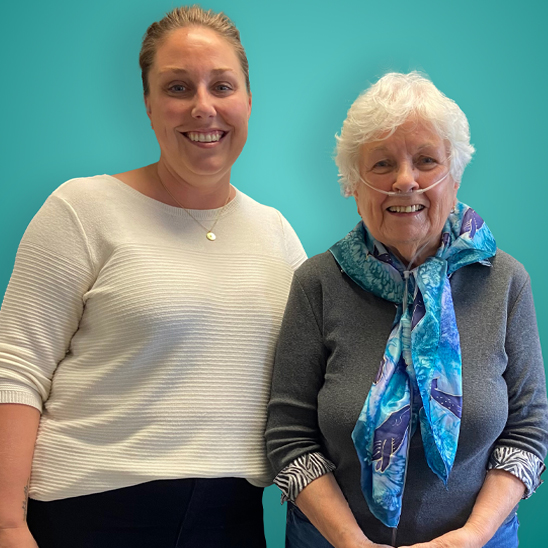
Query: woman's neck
[(200, 194), (160, 184), (413, 255)]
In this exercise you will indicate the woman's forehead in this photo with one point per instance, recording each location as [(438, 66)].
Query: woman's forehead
[(417, 138)]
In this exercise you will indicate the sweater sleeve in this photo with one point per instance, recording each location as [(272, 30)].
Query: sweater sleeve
[(43, 303), (523, 443), (302, 471), (522, 464), (296, 254), (299, 368)]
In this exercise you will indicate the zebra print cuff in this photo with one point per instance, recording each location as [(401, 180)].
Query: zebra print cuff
[(302, 471), (522, 464)]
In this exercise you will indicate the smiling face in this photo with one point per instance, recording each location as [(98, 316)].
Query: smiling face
[(413, 157), (198, 105)]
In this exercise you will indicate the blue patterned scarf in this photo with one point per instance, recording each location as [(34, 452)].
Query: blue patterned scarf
[(419, 379)]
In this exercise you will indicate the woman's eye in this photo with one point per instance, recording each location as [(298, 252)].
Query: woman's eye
[(223, 87), (177, 88), (382, 166), (427, 162)]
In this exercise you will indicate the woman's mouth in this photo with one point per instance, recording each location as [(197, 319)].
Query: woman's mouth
[(204, 137), (405, 209)]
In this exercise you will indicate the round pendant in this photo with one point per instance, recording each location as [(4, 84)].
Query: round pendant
[(210, 236)]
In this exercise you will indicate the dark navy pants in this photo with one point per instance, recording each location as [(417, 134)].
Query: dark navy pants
[(300, 533), (187, 513)]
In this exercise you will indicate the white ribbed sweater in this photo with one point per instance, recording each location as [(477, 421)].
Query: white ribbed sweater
[(147, 347)]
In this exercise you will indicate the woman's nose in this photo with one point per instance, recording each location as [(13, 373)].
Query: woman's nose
[(203, 106), (406, 178)]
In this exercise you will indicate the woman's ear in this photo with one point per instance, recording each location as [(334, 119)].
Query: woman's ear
[(148, 109), (355, 196)]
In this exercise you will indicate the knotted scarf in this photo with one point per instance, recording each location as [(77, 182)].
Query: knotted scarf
[(420, 376)]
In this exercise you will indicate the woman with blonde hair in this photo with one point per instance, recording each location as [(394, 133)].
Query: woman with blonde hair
[(137, 333)]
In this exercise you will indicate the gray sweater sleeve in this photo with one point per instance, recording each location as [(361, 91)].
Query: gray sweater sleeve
[(527, 424), (521, 446), (292, 427)]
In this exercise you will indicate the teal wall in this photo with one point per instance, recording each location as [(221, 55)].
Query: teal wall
[(72, 106)]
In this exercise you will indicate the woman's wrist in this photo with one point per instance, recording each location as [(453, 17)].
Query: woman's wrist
[(478, 535), (19, 537), (357, 542), (350, 538), (13, 516), (355, 539)]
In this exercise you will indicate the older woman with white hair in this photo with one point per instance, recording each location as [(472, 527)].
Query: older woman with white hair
[(436, 446)]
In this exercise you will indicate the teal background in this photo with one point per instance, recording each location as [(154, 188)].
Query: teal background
[(72, 106)]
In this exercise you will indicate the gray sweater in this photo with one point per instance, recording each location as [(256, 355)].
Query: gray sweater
[(331, 343)]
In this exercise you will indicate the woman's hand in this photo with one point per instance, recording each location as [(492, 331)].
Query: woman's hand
[(325, 506), (465, 537), (500, 493), (17, 537)]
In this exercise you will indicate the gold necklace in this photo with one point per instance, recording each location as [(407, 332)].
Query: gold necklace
[(210, 235)]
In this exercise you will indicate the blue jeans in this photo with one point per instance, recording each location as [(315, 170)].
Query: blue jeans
[(300, 533), (506, 535)]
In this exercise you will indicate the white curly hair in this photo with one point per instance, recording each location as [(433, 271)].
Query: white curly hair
[(388, 104)]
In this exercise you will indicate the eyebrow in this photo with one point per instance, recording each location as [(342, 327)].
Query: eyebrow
[(383, 148), (184, 71)]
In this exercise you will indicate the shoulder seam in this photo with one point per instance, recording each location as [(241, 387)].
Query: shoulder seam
[(518, 296), (320, 332), (72, 211)]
